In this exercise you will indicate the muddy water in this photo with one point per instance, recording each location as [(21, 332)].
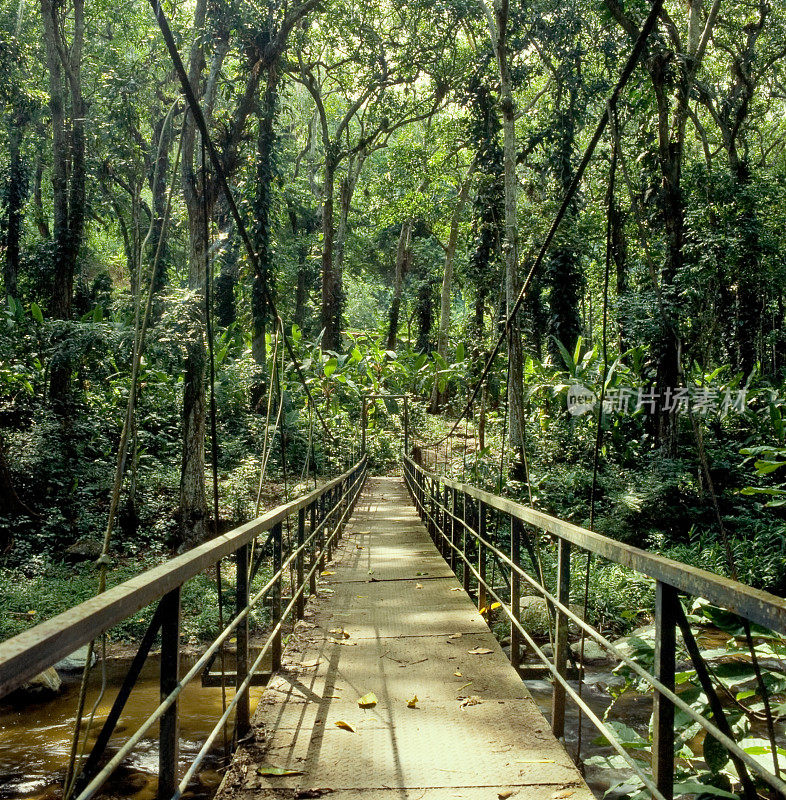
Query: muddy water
[(632, 708), (35, 737)]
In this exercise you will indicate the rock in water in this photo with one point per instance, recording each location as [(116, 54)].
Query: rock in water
[(593, 652), (76, 661), (45, 684)]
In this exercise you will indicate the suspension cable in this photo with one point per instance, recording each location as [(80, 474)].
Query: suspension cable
[(199, 119), (633, 59)]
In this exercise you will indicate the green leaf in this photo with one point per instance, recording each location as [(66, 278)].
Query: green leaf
[(625, 736), (330, 366), (266, 769), (715, 754), (460, 352), (694, 787), (35, 311), (98, 314)]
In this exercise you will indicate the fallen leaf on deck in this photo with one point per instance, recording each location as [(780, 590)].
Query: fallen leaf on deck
[(345, 726), (310, 664), (456, 589), (327, 572), (417, 574), (268, 770), (454, 636), (301, 794), (480, 651), (473, 700), (458, 674), (413, 703), (343, 641), (505, 795), (418, 585), (368, 700), (360, 547), (562, 795)]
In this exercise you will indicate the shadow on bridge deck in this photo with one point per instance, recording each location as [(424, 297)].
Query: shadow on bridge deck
[(390, 618)]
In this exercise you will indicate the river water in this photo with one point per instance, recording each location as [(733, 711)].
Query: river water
[(35, 737)]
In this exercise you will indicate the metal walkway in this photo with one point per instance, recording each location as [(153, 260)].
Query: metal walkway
[(390, 618)]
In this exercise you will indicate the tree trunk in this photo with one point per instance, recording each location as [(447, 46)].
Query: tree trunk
[(159, 183), (332, 290), (515, 351), (16, 195), (402, 262), (446, 292), (193, 508), (68, 169), (261, 311), (425, 314)]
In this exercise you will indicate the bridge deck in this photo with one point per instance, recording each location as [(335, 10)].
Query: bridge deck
[(410, 631)]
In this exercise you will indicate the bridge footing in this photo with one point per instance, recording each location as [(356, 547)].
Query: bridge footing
[(391, 618)]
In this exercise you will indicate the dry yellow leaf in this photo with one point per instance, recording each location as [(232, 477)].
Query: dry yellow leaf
[(345, 726), (458, 674), (562, 795), (413, 703), (327, 572), (418, 585), (495, 605), (473, 700), (454, 636), (506, 795), (480, 651), (368, 700), (456, 589)]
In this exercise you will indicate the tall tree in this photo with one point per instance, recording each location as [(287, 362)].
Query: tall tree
[(68, 111)]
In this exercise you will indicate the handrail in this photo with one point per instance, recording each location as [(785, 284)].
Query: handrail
[(757, 605), (328, 508), (33, 650), (437, 499)]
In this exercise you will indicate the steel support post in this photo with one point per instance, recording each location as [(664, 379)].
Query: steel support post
[(515, 592), (445, 538), (312, 548), (242, 715), (482, 597), (299, 567), (275, 596), (169, 731), (561, 639), (466, 539), (666, 601)]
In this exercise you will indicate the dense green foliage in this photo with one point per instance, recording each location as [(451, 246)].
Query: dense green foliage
[(397, 165)]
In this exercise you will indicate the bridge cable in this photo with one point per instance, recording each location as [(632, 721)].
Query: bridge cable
[(141, 322), (199, 118), (731, 563), (208, 277), (633, 59), (610, 203)]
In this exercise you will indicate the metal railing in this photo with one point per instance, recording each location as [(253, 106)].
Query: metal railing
[(321, 515), (457, 517)]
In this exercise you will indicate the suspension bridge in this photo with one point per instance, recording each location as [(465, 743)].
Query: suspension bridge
[(391, 682)]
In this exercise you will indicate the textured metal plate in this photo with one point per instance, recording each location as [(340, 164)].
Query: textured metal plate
[(475, 732)]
